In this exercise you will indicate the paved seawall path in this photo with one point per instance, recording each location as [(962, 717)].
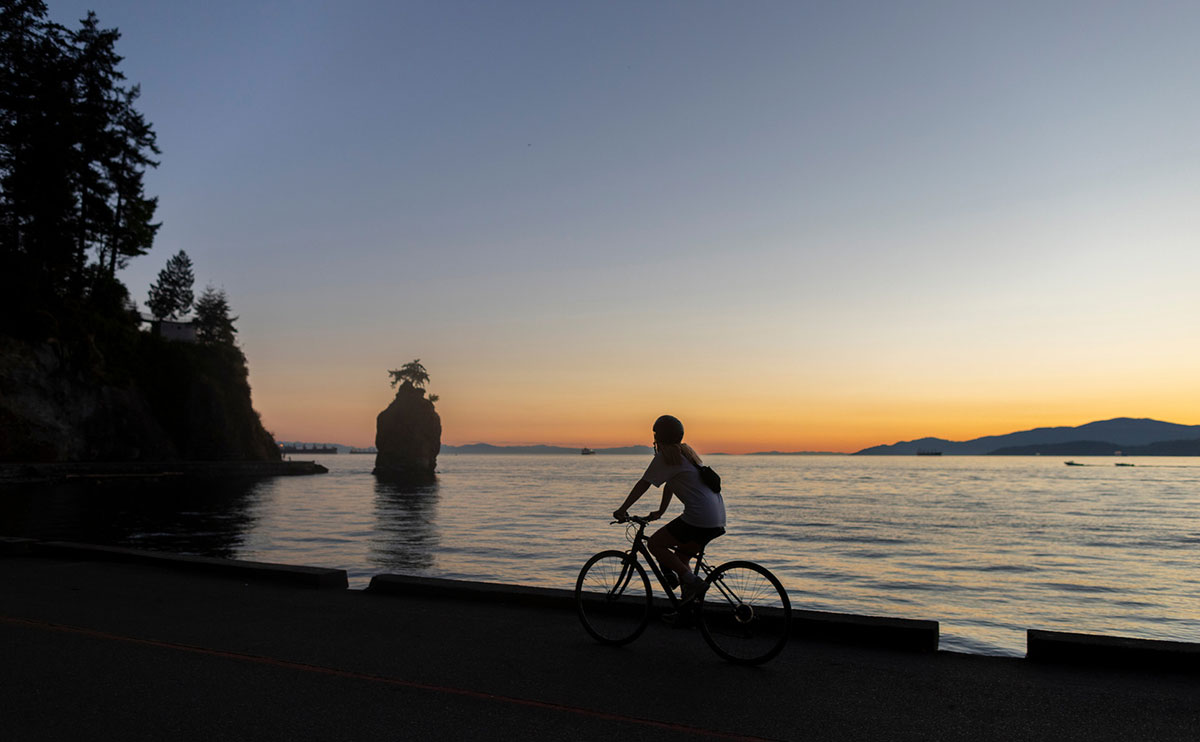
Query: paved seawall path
[(100, 645)]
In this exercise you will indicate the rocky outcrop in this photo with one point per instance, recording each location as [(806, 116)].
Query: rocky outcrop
[(151, 401), (408, 437)]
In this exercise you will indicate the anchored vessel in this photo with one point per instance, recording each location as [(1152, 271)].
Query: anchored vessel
[(305, 448)]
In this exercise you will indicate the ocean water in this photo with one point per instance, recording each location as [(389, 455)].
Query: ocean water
[(987, 546)]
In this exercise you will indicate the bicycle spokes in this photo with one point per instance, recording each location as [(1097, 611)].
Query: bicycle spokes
[(745, 616)]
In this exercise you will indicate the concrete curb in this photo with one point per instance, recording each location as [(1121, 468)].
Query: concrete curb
[(1111, 651), (910, 635), (890, 633), (315, 577)]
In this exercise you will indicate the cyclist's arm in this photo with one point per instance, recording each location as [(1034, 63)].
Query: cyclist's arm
[(635, 494), (668, 493)]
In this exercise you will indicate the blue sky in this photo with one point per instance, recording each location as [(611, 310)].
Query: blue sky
[(801, 225)]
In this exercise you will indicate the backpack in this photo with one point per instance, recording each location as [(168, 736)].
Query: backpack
[(711, 479)]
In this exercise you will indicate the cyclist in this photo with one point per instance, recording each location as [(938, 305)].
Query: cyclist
[(676, 465)]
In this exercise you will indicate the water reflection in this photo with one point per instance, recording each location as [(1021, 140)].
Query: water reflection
[(185, 516), (405, 537)]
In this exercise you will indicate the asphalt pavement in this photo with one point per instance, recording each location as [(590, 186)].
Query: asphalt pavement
[(95, 650)]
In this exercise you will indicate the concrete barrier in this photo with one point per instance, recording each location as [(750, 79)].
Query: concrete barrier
[(316, 577), (908, 634), (1111, 651), (890, 633)]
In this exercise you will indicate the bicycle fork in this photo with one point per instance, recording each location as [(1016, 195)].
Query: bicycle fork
[(623, 579)]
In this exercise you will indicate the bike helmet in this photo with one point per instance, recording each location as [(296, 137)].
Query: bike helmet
[(668, 429)]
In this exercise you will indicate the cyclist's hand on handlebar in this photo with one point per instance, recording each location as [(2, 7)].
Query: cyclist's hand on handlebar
[(620, 516), (654, 515)]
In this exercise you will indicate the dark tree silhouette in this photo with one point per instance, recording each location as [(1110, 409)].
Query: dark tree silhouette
[(171, 294), (412, 372), (73, 152), (213, 323)]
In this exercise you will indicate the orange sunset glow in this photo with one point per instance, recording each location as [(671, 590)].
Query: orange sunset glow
[(800, 227)]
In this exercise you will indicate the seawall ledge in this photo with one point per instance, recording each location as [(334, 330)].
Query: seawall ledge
[(1112, 651), (881, 632), (887, 633)]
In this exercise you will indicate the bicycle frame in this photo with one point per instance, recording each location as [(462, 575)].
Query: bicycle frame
[(742, 609), (701, 570)]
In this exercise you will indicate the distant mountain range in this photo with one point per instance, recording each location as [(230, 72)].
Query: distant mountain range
[(1130, 436)]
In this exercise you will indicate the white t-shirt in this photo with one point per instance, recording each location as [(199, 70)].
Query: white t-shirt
[(702, 507)]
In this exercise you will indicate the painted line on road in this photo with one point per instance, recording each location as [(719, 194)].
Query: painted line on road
[(369, 677)]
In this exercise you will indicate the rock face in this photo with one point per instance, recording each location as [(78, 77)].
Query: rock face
[(177, 402), (408, 437)]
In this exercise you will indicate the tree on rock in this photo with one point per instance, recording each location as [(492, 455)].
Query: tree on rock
[(412, 372), (408, 434), (171, 295)]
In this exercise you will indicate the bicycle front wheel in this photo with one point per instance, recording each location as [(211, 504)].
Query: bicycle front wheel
[(745, 614), (612, 596)]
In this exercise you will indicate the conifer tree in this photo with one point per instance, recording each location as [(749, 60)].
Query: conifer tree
[(412, 372), (171, 294), (73, 152), (213, 323), (37, 124)]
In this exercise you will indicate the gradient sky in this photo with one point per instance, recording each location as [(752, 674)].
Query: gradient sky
[(795, 225)]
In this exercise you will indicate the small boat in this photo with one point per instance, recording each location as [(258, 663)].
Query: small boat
[(1122, 463), (1073, 463), (587, 452)]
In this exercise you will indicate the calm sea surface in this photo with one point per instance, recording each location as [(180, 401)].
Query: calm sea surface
[(988, 546)]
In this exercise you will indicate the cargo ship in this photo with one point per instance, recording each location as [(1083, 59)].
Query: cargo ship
[(304, 448)]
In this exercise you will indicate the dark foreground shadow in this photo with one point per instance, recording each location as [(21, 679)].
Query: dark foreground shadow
[(208, 517)]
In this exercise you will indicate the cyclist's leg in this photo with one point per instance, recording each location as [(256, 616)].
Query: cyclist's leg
[(677, 543), (663, 545)]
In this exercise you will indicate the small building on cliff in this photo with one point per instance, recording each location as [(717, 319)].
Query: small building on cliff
[(177, 330)]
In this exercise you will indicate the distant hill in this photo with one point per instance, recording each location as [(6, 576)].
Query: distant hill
[(1189, 447), (1123, 433), (542, 449)]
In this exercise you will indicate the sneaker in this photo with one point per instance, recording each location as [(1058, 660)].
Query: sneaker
[(692, 588)]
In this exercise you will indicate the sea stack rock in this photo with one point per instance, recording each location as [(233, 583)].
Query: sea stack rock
[(408, 436)]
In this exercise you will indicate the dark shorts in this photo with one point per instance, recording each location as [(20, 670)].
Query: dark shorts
[(688, 534)]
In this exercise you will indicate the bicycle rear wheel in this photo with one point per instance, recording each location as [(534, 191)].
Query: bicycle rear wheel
[(745, 614), (612, 596)]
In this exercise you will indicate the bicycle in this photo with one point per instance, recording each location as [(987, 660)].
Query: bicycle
[(742, 609)]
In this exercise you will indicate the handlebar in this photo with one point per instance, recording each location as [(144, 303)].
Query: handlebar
[(641, 521)]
